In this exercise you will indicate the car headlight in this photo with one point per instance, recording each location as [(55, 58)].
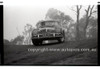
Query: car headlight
[(34, 35), (58, 34), (35, 31)]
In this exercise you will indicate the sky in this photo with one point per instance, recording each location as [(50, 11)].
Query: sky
[(18, 13)]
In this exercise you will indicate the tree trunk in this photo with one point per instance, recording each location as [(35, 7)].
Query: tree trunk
[(77, 26), (85, 28), (77, 32)]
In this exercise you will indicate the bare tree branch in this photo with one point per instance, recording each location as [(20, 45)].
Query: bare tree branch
[(80, 7), (92, 7), (73, 10), (87, 10), (94, 11), (91, 11)]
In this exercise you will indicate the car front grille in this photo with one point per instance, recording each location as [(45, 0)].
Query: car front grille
[(50, 35), (58, 34), (45, 35)]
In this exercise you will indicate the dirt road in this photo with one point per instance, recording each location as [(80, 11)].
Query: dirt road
[(68, 53)]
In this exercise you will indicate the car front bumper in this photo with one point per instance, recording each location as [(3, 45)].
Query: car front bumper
[(51, 36)]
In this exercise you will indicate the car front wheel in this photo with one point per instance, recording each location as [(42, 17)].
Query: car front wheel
[(36, 42), (60, 40)]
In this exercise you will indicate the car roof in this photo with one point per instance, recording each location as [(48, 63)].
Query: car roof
[(49, 21)]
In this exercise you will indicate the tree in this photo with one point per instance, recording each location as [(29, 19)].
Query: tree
[(71, 32), (81, 26), (17, 40), (92, 25), (78, 8), (54, 14), (65, 20), (77, 27), (6, 42), (27, 34), (89, 11), (92, 28)]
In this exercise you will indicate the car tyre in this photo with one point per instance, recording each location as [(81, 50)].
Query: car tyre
[(36, 42), (61, 40)]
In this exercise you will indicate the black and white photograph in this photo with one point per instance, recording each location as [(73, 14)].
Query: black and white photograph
[(51, 33)]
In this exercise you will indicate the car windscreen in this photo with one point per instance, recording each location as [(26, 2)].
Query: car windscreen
[(49, 24)]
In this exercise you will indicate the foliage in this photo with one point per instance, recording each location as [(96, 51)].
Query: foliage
[(18, 40), (65, 20), (86, 23), (91, 30), (27, 34), (54, 14), (6, 42)]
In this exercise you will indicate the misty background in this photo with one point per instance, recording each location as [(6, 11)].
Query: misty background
[(19, 16), (79, 21), (19, 21)]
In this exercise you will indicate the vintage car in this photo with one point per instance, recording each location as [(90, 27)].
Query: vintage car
[(47, 31)]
